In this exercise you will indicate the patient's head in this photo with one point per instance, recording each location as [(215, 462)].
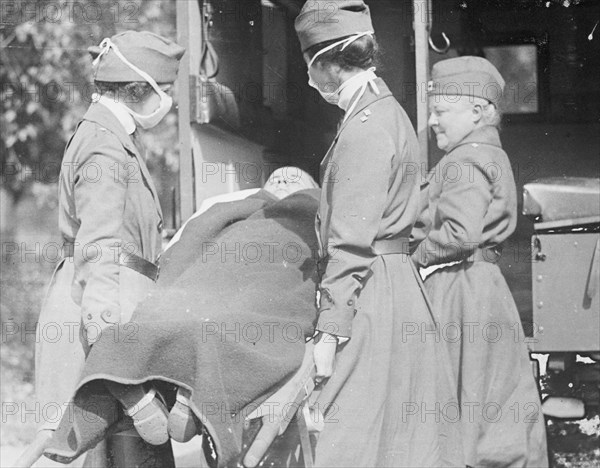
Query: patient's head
[(287, 180)]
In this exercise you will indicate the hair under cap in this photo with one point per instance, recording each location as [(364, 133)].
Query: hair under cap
[(154, 54), (467, 76), (320, 21)]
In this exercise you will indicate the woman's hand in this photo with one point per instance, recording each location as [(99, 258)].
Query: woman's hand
[(324, 355)]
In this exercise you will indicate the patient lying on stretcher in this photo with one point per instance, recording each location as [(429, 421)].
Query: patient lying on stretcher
[(223, 330)]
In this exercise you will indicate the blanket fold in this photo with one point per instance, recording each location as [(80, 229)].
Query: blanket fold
[(228, 321)]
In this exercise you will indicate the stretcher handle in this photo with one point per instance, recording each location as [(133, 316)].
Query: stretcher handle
[(274, 425), (271, 428), (262, 442), (43, 440)]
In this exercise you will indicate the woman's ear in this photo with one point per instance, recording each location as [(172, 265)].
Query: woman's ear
[(477, 113)]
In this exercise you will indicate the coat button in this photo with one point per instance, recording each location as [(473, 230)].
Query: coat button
[(350, 302), (89, 316), (160, 226), (107, 316)]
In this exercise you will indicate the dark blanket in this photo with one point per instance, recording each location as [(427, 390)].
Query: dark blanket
[(228, 320)]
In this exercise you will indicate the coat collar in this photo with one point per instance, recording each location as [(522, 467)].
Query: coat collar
[(103, 116), (486, 135), (120, 111), (365, 101)]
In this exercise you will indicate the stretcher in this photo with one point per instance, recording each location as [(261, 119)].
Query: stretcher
[(291, 404), (288, 412)]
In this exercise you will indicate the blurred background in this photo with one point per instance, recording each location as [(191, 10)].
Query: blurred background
[(46, 83)]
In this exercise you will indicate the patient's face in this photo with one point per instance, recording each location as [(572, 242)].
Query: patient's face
[(288, 180)]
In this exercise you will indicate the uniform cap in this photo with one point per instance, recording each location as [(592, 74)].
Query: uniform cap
[(154, 54), (467, 76), (321, 21)]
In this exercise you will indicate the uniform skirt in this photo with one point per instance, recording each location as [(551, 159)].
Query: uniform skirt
[(502, 421), (61, 347), (389, 401)]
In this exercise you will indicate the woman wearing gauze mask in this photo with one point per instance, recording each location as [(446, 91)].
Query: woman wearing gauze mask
[(109, 214), (340, 88), (146, 111), (368, 286)]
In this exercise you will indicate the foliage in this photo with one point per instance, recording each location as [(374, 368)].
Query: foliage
[(46, 77)]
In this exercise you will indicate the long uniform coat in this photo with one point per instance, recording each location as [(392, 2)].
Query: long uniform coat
[(108, 207), (472, 205), (386, 375)]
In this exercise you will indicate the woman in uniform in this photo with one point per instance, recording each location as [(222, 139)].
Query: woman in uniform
[(471, 209), (109, 215), (378, 379)]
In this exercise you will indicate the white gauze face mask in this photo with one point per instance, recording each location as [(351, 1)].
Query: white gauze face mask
[(145, 121), (332, 96)]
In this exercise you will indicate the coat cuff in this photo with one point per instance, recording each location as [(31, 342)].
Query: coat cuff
[(335, 319)]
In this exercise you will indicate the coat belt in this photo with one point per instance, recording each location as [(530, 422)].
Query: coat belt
[(129, 260), (397, 245), (139, 264), (485, 254)]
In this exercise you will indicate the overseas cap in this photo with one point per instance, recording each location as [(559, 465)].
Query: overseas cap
[(467, 76), (321, 21), (154, 54)]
